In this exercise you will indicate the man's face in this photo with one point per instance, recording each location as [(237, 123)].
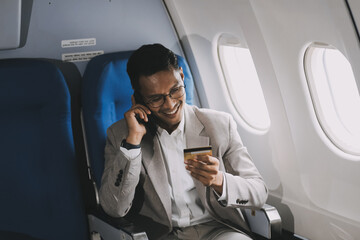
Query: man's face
[(170, 113)]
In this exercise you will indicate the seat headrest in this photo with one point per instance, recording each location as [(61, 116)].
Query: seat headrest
[(25, 83)]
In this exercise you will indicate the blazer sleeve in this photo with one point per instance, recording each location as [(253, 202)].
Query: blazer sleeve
[(245, 186), (120, 178)]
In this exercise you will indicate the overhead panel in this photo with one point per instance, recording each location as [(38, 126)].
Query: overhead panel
[(10, 24)]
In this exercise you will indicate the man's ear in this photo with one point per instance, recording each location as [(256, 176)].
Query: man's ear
[(181, 73)]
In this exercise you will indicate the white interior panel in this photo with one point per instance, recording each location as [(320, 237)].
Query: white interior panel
[(314, 185)]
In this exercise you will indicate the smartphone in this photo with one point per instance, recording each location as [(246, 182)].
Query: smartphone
[(150, 125)]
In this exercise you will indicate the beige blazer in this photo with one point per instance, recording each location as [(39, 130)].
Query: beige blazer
[(203, 127)]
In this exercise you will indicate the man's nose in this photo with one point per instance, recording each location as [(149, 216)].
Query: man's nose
[(169, 102)]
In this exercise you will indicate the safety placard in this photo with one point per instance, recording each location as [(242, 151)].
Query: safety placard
[(80, 56), (84, 42)]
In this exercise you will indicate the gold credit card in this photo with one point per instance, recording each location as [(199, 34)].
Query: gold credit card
[(190, 153)]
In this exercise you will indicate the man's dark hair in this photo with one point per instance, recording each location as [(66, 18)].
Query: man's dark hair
[(148, 60)]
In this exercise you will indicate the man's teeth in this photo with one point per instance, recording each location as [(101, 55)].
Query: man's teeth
[(169, 113)]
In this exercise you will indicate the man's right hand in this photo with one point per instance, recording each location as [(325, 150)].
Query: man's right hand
[(136, 129)]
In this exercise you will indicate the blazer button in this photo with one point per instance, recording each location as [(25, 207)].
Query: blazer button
[(117, 183), (238, 201)]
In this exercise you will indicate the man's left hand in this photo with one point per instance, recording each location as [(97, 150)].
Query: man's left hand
[(205, 168)]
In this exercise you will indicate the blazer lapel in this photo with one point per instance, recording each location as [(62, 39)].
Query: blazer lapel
[(196, 137), (155, 168), (194, 130)]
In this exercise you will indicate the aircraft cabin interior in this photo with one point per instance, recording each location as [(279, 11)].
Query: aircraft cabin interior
[(287, 71)]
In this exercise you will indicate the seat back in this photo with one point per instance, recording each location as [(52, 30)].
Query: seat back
[(40, 192), (106, 96)]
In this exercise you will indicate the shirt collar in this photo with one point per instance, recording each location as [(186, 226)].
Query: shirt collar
[(178, 130)]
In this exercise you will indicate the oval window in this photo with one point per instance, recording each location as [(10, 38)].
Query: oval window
[(335, 95), (244, 85)]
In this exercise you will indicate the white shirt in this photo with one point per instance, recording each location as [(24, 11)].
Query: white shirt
[(187, 208)]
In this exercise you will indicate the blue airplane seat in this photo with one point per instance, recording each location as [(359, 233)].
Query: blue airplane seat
[(106, 96), (40, 191)]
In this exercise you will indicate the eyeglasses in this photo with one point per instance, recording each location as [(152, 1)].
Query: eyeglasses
[(159, 99)]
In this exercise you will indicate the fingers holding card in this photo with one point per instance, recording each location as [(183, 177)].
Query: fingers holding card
[(203, 166)]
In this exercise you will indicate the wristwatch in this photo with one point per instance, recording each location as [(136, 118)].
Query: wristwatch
[(128, 146)]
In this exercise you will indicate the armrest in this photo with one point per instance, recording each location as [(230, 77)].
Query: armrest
[(109, 228), (113, 228), (122, 230), (265, 222)]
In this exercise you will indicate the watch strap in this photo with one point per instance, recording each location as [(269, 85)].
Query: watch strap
[(129, 146)]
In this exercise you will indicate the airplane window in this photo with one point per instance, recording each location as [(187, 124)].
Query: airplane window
[(244, 86), (335, 96)]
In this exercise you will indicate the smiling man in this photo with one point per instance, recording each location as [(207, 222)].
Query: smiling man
[(197, 198)]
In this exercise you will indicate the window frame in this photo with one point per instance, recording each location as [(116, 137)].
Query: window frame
[(347, 146), (235, 42)]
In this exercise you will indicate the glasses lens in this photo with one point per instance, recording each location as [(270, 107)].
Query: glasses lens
[(174, 93), (156, 102), (178, 92)]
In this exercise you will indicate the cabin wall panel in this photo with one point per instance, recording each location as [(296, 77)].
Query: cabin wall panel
[(312, 183), (328, 175)]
